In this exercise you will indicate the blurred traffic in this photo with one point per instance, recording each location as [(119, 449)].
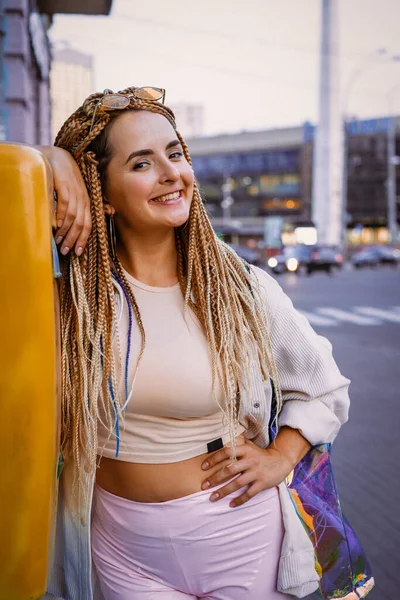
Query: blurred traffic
[(374, 256), (309, 259), (306, 259)]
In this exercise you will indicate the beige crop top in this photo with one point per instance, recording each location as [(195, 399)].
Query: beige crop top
[(172, 413)]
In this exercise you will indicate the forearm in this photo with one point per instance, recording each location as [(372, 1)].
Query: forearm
[(47, 151), (291, 444)]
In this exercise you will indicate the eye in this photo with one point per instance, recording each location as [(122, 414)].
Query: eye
[(176, 155), (140, 165)]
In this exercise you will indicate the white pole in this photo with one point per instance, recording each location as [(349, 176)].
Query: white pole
[(328, 145)]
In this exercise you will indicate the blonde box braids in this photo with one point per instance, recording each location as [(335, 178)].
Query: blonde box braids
[(214, 281)]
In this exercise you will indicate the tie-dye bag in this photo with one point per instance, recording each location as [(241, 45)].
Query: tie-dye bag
[(339, 558)]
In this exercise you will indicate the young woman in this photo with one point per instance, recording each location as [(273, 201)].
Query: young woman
[(171, 348)]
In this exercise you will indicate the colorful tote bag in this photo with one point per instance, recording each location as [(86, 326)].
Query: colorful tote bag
[(339, 557)]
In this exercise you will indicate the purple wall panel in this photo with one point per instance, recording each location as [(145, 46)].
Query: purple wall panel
[(19, 5), (16, 40), (26, 94)]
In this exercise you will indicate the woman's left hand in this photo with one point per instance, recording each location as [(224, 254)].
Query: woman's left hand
[(259, 469)]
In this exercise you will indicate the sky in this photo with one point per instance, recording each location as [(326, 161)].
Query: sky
[(252, 64)]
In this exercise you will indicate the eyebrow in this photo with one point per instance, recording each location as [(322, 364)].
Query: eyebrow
[(148, 152)]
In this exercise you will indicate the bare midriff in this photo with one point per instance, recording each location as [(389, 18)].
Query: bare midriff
[(156, 482)]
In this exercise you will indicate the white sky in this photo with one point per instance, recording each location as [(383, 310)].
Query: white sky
[(253, 64)]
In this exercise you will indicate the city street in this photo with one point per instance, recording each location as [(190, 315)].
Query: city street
[(359, 312)]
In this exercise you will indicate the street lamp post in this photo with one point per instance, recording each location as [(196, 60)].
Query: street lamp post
[(392, 162), (380, 57), (391, 179), (227, 201)]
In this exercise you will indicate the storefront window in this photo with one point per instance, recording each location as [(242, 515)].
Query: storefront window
[(282, 204), (280, 184)]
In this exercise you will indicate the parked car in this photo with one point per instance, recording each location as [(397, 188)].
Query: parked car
[(299, 258), (372, 256), (365, 258), (251, 256), (387, 255), (327, 255)]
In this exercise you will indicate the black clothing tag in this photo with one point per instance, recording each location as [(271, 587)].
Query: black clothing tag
[(214, 445)]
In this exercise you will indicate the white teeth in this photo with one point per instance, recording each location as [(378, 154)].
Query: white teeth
[(173, 196)]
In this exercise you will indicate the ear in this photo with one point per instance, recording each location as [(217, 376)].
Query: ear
[(108, 209)]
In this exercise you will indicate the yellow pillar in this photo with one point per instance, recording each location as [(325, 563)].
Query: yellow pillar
[(28, 406)]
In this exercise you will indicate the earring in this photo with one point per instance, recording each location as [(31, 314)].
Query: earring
[(112, 237)]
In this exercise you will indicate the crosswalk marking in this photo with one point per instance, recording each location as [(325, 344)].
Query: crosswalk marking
[(314, 319), (386, 315), (329, 316), (349, 317)]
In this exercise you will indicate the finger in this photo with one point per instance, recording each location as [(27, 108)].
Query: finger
[(69, 219), (62, 204), (227, 472), (232, 486), (251, 491), (74, 231), (84, 236), (221, 455)]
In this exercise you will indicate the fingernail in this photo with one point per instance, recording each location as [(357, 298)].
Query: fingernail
[(65, 250), (205, 485), (214, 496), (232, 504), (205, 465), (79, 251), (59, 223), (59, 239)]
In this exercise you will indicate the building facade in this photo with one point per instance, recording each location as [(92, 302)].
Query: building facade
[(25, 59), (71, 81), (269, 173)]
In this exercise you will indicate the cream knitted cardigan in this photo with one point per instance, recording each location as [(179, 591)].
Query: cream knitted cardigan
[(315, 401)]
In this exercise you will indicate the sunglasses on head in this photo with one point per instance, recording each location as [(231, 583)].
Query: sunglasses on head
[(111, 101)]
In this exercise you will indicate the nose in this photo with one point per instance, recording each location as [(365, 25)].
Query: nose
[(169, 172)]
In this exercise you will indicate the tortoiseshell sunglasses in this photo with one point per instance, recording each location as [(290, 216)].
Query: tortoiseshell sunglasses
[(111, 101)]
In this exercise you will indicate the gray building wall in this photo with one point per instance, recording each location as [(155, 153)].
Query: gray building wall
[(25, 95), (246, 141)]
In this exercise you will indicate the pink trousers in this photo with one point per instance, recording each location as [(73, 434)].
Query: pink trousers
[(187, 548)]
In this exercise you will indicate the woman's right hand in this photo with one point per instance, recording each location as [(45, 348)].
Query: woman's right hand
[(73, 218)]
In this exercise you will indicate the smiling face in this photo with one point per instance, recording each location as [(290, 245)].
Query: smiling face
[(148, 180)]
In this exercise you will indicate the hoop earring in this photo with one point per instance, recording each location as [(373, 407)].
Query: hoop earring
[(112, 237)]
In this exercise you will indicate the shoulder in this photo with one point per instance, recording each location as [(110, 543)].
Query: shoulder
[(270, 292), (266, 282), (285, 321)]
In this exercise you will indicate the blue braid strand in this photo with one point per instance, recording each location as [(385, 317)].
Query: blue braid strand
[(110, 387), (128, 353)]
